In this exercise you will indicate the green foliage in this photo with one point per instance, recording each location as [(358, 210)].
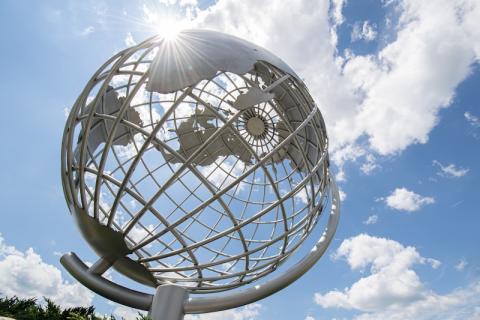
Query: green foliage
[(29, 309)]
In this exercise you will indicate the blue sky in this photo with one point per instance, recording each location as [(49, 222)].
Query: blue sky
[(397, 83)]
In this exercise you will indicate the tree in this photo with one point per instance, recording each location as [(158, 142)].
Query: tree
[(30, 309)]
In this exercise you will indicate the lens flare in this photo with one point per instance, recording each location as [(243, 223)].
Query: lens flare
[(168, 26)]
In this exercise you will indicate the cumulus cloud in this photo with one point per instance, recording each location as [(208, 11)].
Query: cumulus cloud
[(309, 47), (450, 171), (384, 101), (391, 280), (26, 275), (392, 289), (365, 31), (457, 305), (412, 78), (378, 93), (405, 200), (371, 219)]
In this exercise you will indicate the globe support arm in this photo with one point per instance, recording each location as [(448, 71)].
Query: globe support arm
[(104, 287)]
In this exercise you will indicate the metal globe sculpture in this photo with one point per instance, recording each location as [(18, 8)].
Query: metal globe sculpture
[(196, 165)]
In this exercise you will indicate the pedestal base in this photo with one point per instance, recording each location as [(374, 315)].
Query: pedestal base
[(167, 303)]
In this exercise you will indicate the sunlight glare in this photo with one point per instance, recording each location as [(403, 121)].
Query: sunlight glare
[(167, 23), (168, 27)]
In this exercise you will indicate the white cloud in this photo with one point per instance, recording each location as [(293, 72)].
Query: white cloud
[(364, 31), (85, 32), (371, 219), (184, 3), (336, 11), (370, 165), (343, 155), (26, 275), (138, 234), (316, 61), (459, 304), (390, 98), (167, 2), (66, 112), (309, 318), (405, 200), (302, 195), (224, 172), (472, 120), (391, 280), (450, 171), (432, 52), (392, 289), (341, 175), (126, 313), (342, 194), (248, 312), (460, 266), (414, 76), (129, 41)]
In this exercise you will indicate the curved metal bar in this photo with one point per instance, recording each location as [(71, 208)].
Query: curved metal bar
[(234, 300), (143, 301), (104, 287), (231, 185)]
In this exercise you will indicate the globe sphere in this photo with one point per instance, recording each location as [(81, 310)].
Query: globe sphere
[(200, 161)]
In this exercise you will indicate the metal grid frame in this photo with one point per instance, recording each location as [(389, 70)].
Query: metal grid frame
[(314, 177)]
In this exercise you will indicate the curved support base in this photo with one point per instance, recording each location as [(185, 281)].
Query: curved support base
[(166, 304)]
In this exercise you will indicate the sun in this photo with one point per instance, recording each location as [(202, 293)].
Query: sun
[(166, 24), (168, 27)]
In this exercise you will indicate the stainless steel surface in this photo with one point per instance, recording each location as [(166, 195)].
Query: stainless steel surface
[(143, 301), (243, 297), (104, 287), (199, 162), (167, 303), (197, 55)]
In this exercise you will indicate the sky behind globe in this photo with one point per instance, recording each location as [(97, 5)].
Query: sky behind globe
[(397, 83)]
